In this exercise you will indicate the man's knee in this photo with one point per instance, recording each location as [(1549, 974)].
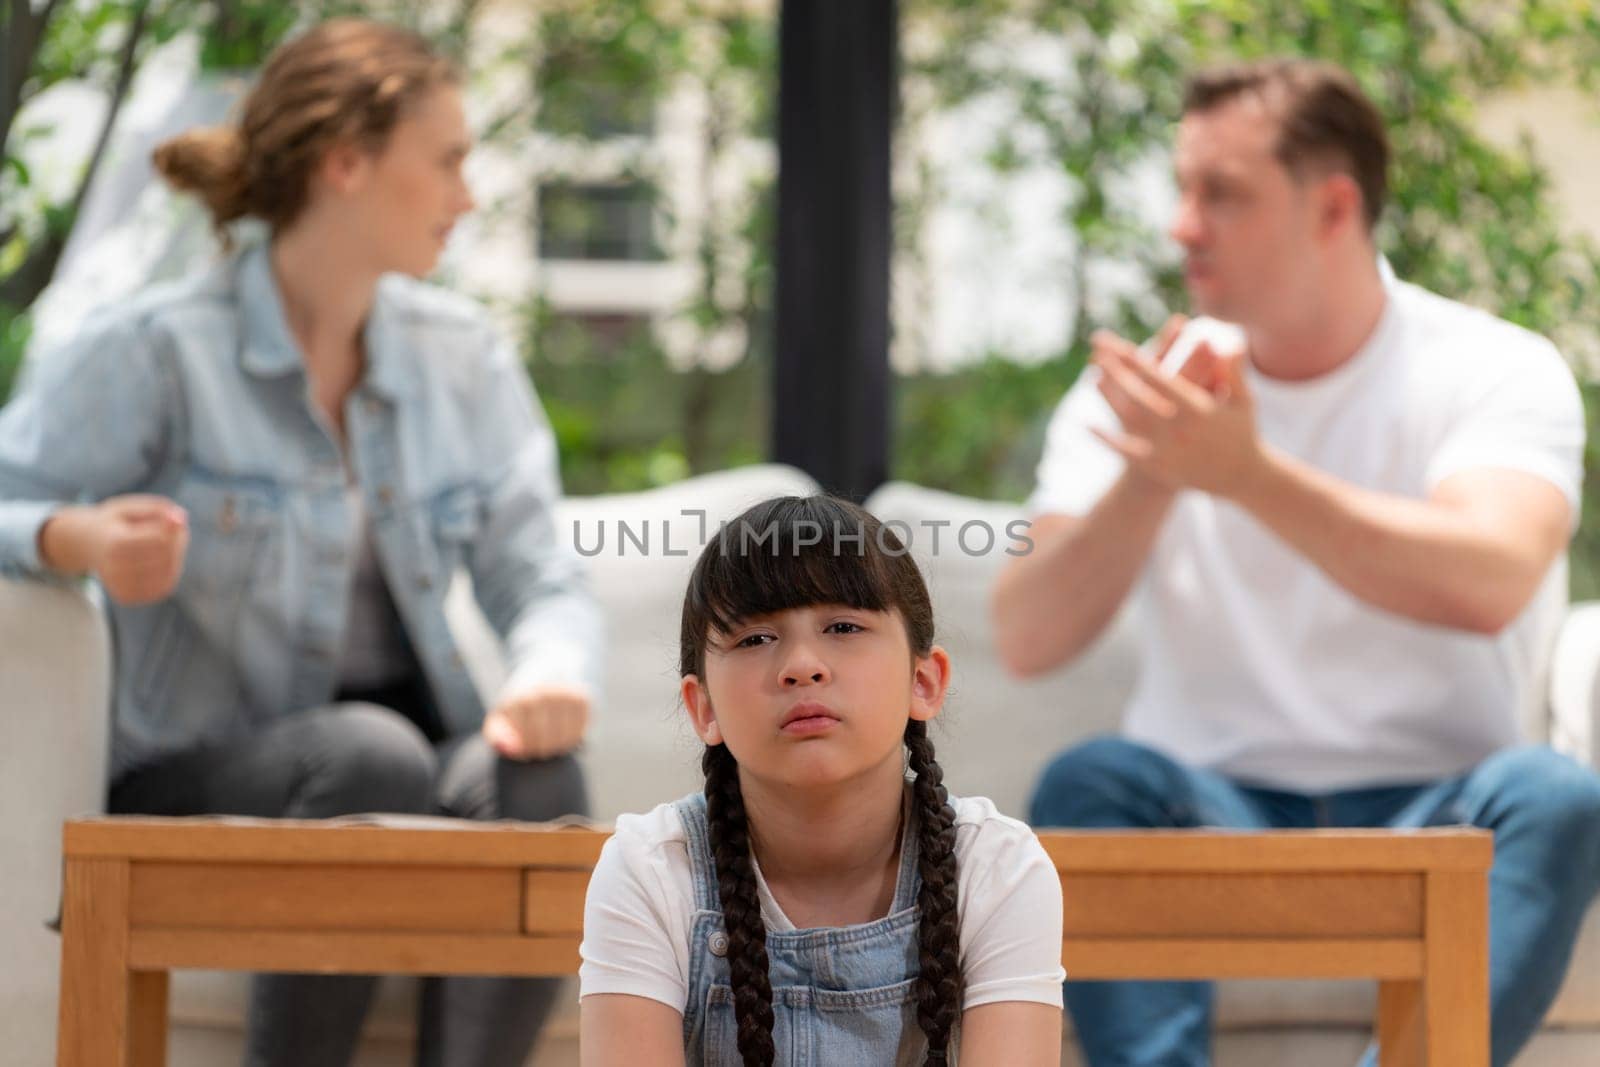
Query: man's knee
[(1537, 789), (370, 758), (1102, 782), (1540, 781)]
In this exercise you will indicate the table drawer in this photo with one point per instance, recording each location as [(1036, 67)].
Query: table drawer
[(311, 897)]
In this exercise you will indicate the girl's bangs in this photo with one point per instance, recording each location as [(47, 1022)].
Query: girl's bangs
[(800, 553)]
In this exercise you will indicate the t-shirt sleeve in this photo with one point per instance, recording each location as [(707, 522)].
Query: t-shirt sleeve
[(635, 919), (1527, 416), (1077, 468), (1010, 900)]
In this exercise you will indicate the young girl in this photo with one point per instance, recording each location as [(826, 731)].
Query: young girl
[(814, 905)]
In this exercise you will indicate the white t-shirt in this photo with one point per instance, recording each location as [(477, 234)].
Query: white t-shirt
[(1254, 662), (640, 910)]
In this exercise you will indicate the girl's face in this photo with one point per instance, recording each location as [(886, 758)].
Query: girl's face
[(402, 201), (814, 696)]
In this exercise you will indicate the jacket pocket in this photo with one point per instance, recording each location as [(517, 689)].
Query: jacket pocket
[(234, 537)]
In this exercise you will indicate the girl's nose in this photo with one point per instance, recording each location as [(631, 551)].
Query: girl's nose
[(803, 666)]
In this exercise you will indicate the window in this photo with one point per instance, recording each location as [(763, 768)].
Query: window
[(597, 222)]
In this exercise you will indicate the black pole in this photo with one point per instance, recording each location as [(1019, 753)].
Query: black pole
[(838, 74)]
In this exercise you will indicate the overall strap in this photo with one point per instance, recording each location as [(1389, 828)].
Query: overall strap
[(692, 810)]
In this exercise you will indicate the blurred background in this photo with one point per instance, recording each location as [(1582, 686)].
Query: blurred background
[(627, 167)]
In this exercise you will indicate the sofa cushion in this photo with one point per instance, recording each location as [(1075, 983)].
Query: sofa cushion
[(1575, 686), (999, 731), (56, 652)]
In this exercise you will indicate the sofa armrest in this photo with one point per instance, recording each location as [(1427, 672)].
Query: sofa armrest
[(1575, 685), (57, 684), (55, 731)]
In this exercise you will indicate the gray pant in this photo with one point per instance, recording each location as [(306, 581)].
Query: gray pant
[(359, 757)]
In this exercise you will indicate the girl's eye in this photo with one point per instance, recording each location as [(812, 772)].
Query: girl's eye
[(844, 628), (752, 640)]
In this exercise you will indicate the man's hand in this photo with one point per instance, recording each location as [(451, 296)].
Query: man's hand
[(1192, 430), (134, 544), (540, 723)]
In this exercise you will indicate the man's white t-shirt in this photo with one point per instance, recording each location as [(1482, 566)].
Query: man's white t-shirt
[(1254, 662), (641, 905)]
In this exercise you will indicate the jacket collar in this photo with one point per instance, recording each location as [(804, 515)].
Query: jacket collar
[(269, 349)]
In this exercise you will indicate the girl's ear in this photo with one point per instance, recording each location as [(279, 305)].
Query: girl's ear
[(929, 682), (698, 701)]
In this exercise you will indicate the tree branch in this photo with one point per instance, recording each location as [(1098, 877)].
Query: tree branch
[(24, 31), (24, 284)]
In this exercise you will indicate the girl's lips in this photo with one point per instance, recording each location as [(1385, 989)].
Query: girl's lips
[(809, 725)]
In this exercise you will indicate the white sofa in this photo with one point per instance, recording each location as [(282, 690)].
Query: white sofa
[(996, 735)]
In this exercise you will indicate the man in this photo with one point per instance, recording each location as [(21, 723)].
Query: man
[(1342, 529)]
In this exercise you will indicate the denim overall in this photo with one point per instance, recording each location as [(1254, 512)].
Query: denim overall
[(842, 996)]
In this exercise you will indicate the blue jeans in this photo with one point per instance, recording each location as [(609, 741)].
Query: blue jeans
[(1544, 810)]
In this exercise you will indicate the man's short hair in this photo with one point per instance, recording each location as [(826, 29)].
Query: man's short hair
[(1324, 119)]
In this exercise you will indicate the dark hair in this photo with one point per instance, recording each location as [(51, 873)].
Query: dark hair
[(345, 79), (1324, 119), (771, 559)]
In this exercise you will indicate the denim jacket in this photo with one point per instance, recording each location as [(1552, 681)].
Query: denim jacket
[(198, 392)]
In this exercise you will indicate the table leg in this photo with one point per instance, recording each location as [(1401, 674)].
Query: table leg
[(148, 1019), (1400, 1024), (1456, 983), (93, 1021)]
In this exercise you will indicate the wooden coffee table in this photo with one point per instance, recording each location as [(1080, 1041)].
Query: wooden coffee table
[(1409, 908), (145, 896), (142, 897)]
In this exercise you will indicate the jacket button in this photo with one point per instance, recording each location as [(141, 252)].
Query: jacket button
[(385, 495), (718, 944)]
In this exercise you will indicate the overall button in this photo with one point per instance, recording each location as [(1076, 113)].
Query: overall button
[(718, 944), (385, 495)]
